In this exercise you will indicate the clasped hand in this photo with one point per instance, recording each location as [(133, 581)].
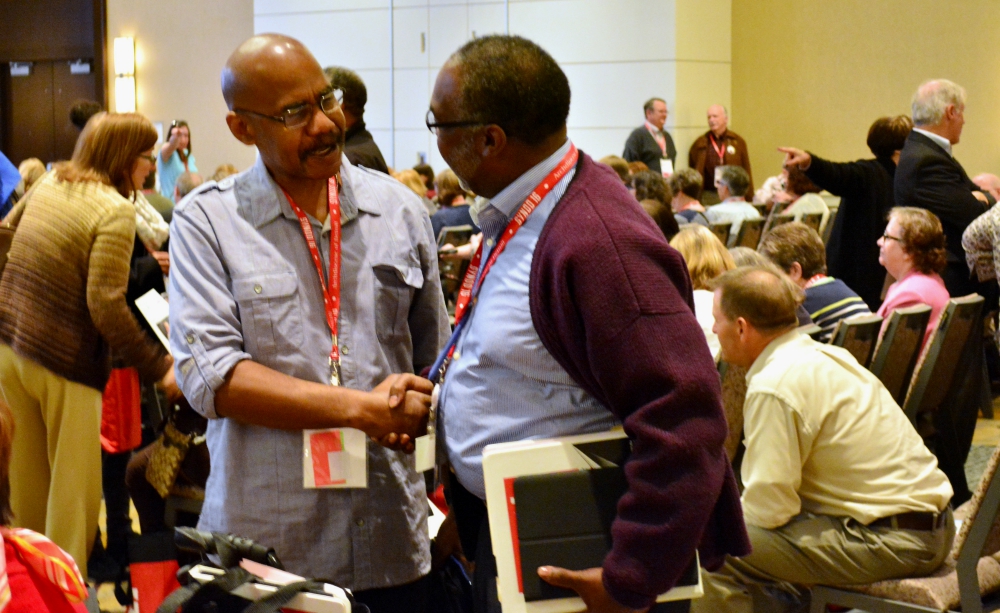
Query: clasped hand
[(403, 416)]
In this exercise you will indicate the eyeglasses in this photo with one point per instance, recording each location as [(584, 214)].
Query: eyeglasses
[(299, 115), (889, 237), (434, 126), (149, 158)]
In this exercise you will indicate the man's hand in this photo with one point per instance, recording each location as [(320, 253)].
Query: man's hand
[(401, 411), (588, 584), (169, 385), (796, 157), (980, 196)]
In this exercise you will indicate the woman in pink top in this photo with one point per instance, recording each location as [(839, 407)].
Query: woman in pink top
[(912, 250)]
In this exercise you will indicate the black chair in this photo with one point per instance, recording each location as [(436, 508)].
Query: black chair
[(750, 232), (813, 220), (829, 225), (897, 351), (858, 335), (721, 231), (777, 220)]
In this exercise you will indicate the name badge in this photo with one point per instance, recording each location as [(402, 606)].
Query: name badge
[(426, 445), (334, 458), (666, 167)]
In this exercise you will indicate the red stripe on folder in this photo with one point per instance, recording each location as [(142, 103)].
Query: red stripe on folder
[(508, 485)]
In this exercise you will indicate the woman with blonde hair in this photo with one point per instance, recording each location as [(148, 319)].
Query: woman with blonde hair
[(410, 178), (63, 312), (706, 259), (451, 197)]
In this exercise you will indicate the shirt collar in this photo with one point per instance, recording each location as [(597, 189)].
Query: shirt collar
[(758, 365), (514, 195), (267, 200), (943, 142), (653, 128)]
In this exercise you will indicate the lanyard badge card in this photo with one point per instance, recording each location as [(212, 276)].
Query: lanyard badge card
[(338, 457)]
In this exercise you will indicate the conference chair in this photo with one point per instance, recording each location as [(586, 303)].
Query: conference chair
[(734, 393), (858, 335), (897, 351), (762, 209), (452, 271), (813, 220), (829, 225), (971, 570), (777, 220), (721, 231), (750, 232)]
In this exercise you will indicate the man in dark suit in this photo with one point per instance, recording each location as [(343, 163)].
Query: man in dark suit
[(928, 177), (650, 143)]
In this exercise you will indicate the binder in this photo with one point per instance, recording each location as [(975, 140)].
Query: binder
[(552, 502)]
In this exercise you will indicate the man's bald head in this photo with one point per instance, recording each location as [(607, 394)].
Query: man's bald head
[(259, 64), (718, 119)]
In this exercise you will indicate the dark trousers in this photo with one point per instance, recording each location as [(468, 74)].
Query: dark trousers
[(474, 532), (119, 525), (408, 598)]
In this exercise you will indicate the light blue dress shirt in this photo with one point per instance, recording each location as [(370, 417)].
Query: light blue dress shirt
[(503, 384), (243, 286)]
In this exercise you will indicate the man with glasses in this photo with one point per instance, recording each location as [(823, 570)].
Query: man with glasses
[(650, 143), (581, 319), (298, 286)]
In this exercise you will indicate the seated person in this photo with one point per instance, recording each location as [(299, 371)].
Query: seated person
[(839, 488), (772, 187), (732, 183), (186, 183), (706, 258), (801, 197), (42, 578), (451, 197), (662, 217), (798, 250), (912, 250), (686, 185), (650, 185), (617, 164)]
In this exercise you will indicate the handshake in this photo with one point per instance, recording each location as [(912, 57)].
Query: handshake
[(397, 411)]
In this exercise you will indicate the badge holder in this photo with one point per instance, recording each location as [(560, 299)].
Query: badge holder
[(334, 458)]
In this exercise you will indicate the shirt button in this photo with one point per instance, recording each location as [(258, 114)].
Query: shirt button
[(257, 288), (190, 338), (489, 242), (361, 523), (345, 350)]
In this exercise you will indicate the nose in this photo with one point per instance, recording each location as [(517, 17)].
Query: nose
[(324, 121)]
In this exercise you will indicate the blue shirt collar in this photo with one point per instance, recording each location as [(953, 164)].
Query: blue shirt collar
[(514, 195)]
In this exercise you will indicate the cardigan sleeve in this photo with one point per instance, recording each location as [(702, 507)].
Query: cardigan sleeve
[(107, 283)]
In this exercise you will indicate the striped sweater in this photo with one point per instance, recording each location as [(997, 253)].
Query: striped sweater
[(62, 295), (829, 300)]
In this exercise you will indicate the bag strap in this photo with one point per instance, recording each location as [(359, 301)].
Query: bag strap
[(188, 595), (14, 217)]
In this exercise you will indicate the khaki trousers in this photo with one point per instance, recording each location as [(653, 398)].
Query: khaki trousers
[(55, 467), (818, 549)]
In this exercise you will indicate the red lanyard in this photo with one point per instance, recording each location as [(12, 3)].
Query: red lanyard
[(720, 150), (530, 203), (813, 280), (331, 291)]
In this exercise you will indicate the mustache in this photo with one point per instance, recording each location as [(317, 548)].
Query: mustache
[(325, 141)]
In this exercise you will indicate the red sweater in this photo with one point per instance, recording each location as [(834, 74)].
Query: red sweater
[(32, 593), (612, 302)]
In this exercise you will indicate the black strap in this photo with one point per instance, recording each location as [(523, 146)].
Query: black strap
[(194, 595)]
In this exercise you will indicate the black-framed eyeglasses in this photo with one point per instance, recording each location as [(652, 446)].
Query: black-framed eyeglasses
[(434, 126), (300, 114), (149, 158), (889, 237)]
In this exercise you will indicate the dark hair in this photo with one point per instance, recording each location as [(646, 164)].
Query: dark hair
[(922, 238), (513, 83), (735, 178), (180, 123), (617, 164), (649, 104), (795, 242), (762, 295), (799, 184), (448, 187), (662, 216), (348, 81), (651, 185), (425, 171), (686, 181), (888, 135), (82, 111)]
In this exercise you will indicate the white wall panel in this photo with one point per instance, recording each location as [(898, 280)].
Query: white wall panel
[(412, 98), (599, 142), (358, 39), (383, 138), (612, 95), (598, 30), (408, 144), (266, 7), (378, 110), (449, 26), (409, 36), (486, 19)]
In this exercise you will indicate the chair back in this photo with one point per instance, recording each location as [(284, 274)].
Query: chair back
[(454, 235), (734, 393), (897, 350), (813, 220), (762, 209), (451, 270), (979, 534), (829, 225), (938, 364), (750, 231), (858, 335), (777, 220), (721, 231)]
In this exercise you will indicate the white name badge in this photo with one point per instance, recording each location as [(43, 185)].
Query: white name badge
[(426, 445), (335, 458), (666, 167)]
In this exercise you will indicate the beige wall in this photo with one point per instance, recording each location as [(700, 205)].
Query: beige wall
[(816, 74), (181, 47)]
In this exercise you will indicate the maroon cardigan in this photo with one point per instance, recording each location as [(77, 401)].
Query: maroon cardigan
[(612, 302)]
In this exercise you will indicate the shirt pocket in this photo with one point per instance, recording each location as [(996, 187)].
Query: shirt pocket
[(395, 284), (271, 314)]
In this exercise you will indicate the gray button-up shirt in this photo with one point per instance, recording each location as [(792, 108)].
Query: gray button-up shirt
[(243, 286)]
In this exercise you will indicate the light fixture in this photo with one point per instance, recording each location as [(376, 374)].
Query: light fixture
[(125, 74)]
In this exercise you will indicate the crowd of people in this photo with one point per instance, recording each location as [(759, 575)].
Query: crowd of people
[(310, 316)]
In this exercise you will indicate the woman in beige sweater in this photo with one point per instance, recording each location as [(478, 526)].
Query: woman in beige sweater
[(62, 314)]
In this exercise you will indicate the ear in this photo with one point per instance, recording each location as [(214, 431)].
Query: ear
[(795, 272), (494, 140), (242, 130), (743, 327)]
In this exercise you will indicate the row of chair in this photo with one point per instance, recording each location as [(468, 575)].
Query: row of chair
[(753, 230)]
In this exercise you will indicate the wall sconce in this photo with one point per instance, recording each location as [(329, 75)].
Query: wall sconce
[(125, 74)]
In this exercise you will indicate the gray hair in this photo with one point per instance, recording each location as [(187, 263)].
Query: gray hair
[(735, 178), (932, 98)]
